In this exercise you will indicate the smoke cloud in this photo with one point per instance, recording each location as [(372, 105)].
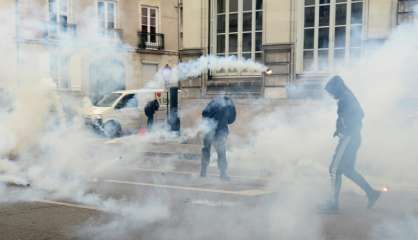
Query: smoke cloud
[(44, 141), (42, 145), (195, 68)]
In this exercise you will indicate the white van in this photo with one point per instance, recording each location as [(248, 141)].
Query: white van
[(122, 112)]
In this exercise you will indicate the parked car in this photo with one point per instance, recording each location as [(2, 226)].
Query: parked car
[(122, 112)]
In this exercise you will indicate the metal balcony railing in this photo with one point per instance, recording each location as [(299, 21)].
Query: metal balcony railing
[(152, 41)]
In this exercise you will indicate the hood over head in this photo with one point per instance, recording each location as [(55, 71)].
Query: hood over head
[(336, 86)]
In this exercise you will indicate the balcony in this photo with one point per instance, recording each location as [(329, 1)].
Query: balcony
[(150, 41)]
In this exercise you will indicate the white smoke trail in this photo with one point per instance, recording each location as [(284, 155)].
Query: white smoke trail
[(195, 68)]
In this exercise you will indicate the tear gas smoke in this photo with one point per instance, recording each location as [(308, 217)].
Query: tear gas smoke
[(404, 228), (296, 141), (60, 157), (44, 129), (383, 83), (195, 68)]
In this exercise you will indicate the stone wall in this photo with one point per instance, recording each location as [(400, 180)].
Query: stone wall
[(279, 58)]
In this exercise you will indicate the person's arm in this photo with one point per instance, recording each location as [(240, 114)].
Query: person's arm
[(208, 111), (156, 105), (149, 109), (340, 126), (232, 113)]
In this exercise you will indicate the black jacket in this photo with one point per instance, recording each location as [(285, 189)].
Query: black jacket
[(151, 108), (350, 113), (222, 111)]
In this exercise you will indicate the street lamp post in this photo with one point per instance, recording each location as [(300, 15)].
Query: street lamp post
[(173, 89)]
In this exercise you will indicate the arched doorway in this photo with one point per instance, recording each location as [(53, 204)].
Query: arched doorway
[(105, 76)]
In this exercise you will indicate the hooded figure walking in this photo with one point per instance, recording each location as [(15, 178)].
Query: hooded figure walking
[(219, 113), (348, 130)]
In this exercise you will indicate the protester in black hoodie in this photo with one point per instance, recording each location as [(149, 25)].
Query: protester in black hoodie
[(348, 129), (150, 110), (219, 113)]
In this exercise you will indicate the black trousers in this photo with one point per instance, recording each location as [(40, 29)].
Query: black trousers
[(218, 141), (150, 122), (343, 163)]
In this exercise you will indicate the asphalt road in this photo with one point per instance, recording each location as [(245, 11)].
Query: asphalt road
[(245, 208)]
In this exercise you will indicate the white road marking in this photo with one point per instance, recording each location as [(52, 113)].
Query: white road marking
[(247, 193), (209, 203), (73, 205), (191, 173)]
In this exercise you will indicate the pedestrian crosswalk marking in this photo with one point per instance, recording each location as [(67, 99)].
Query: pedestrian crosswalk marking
[(65, 204)]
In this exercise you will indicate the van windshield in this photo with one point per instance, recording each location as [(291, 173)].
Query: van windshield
[(108, 100)]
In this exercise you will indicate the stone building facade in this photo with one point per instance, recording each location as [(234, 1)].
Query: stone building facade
[(95, 46), (302, 41), (92, 46)]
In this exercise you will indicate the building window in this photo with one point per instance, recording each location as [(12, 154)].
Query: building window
[(59, 70), (149, 23), (332, 33), (406, 11), (58, 15), (106, 11), (238, 28)]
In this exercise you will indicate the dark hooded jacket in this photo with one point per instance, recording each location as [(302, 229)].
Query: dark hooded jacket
[(222, 111), (350, 113), (151, 108)]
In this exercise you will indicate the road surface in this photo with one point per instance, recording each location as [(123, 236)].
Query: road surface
[(248, 207)]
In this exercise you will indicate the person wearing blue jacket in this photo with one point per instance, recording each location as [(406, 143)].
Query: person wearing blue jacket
[(348, 130), (219, 113)]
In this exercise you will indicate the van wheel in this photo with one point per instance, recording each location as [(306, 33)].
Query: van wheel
[(112, 129)]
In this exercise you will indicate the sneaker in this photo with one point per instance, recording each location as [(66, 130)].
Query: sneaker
[(328, 208), (373, 197)]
